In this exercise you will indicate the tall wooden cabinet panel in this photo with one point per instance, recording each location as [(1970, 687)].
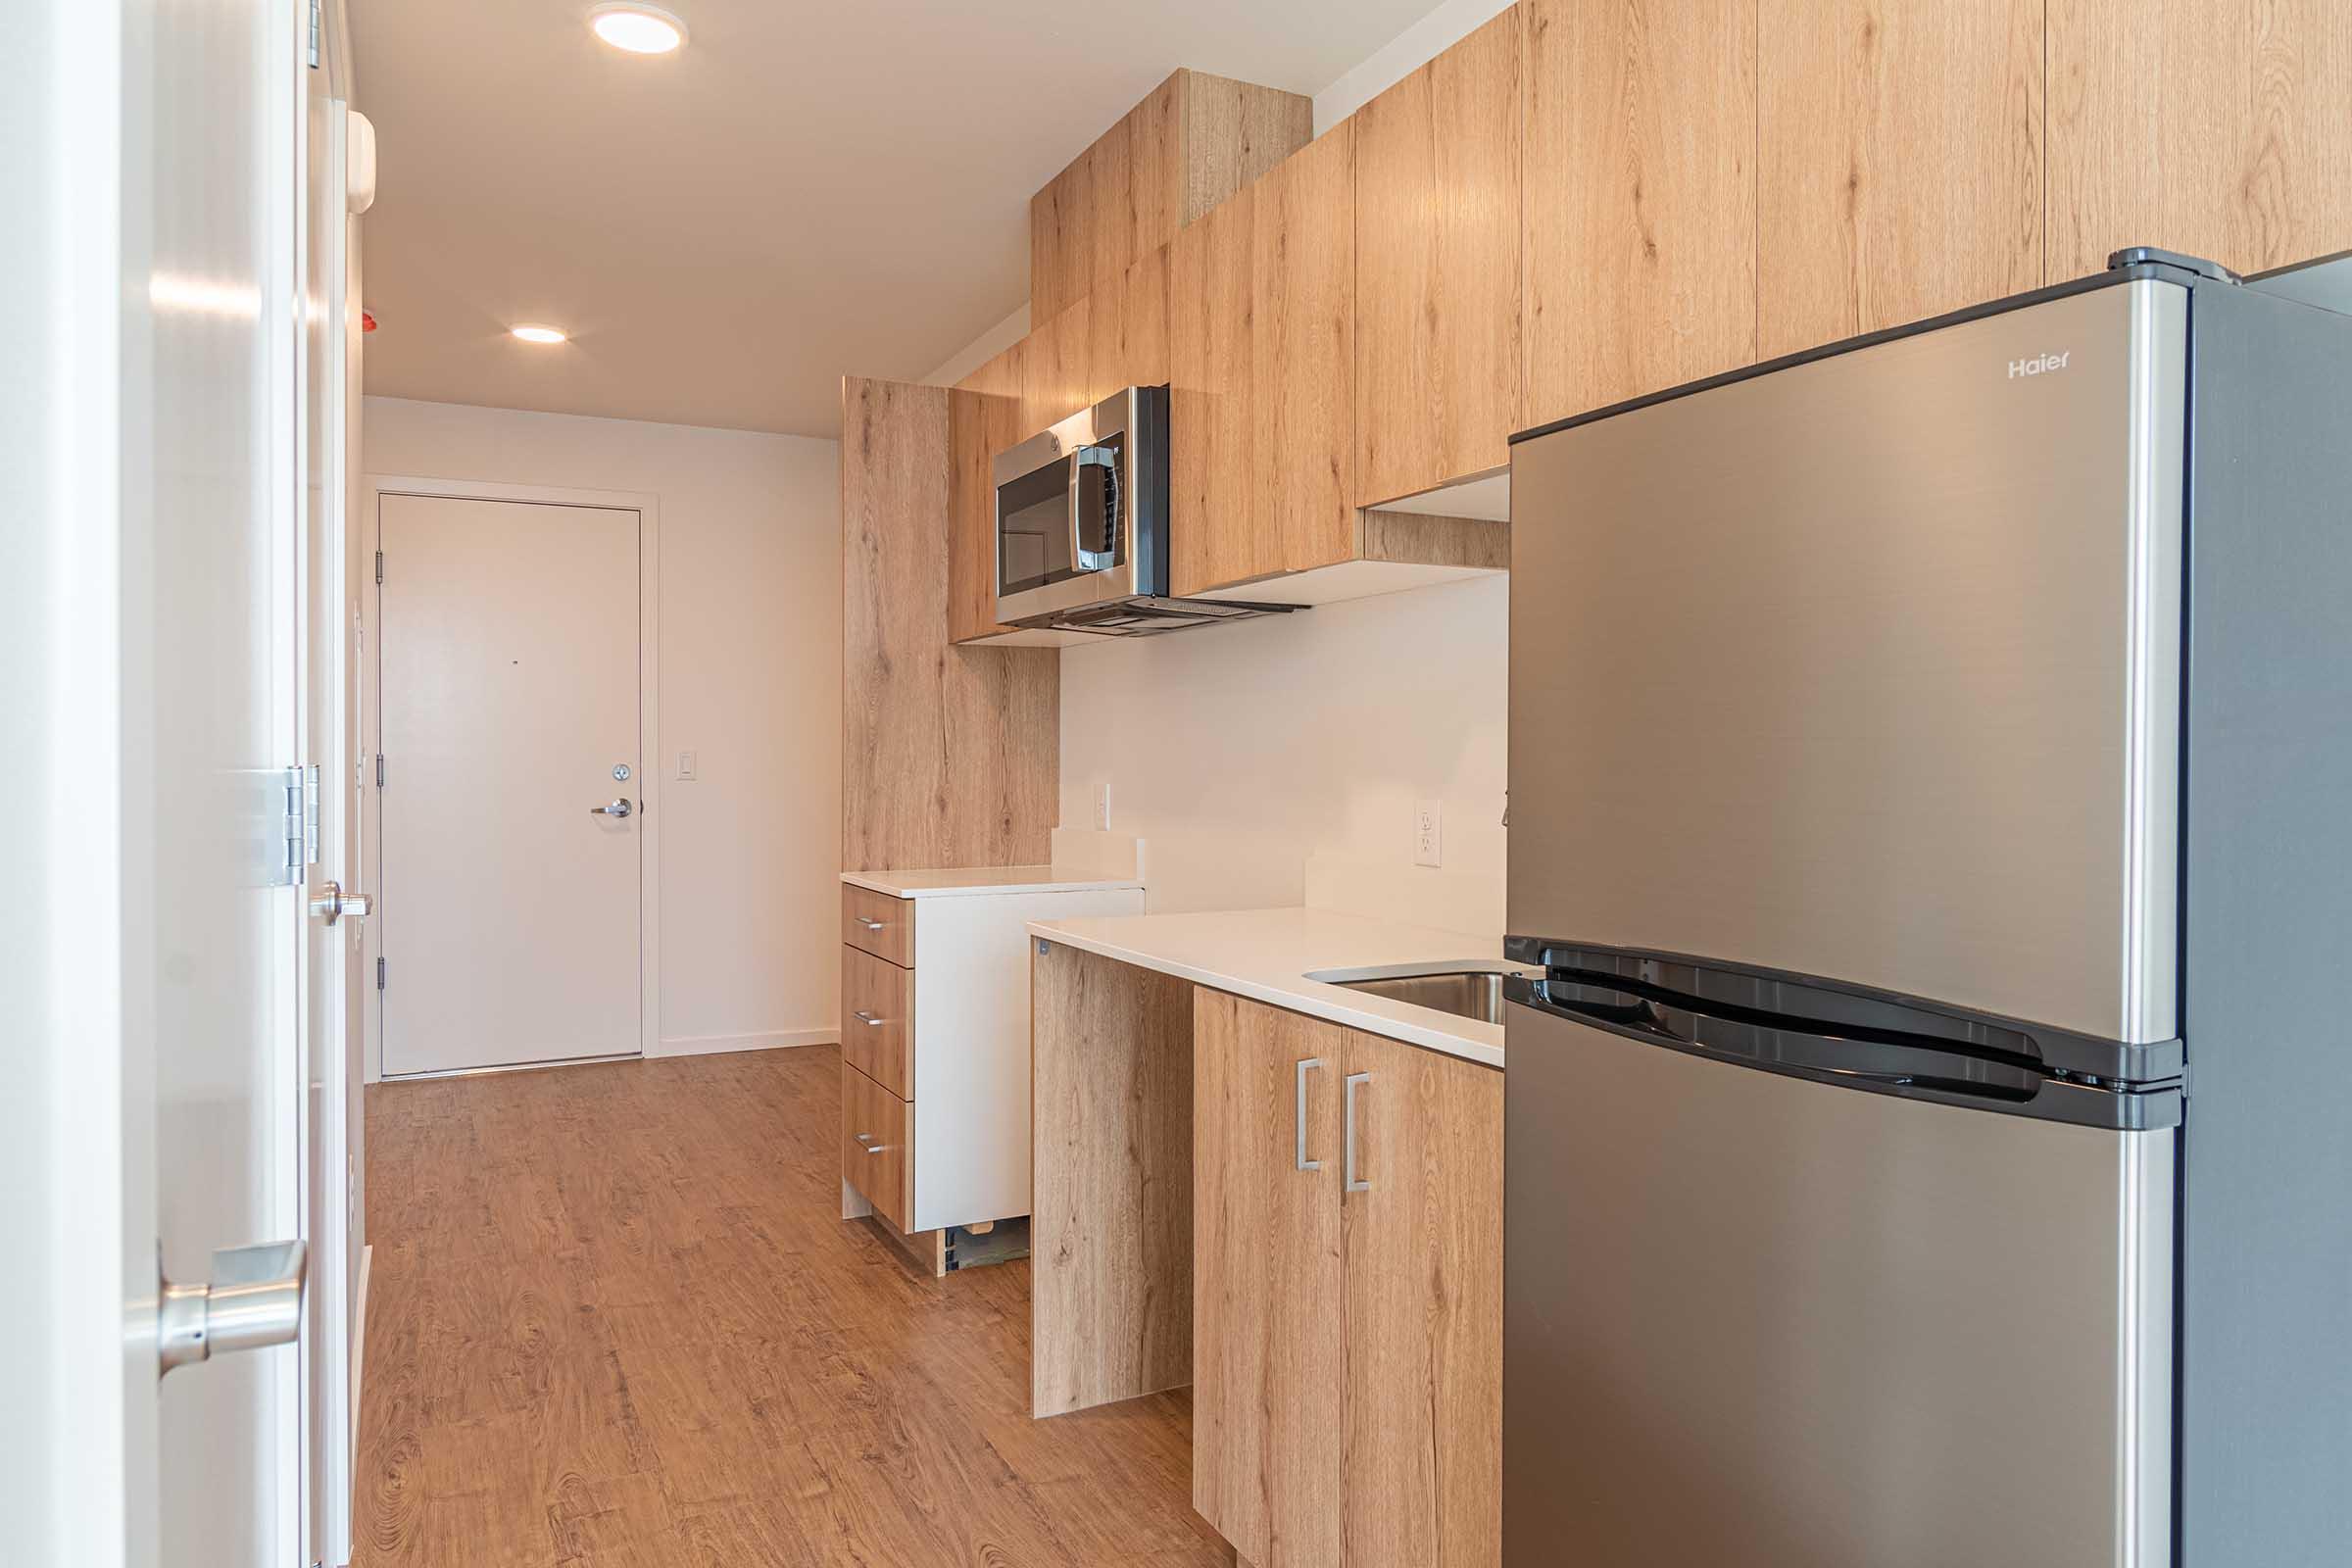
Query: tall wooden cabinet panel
[(982, 411), (949, 756), (2219, 128), (1436, 267), (1267, 1281), (1640, 198), (1900, 163), (1214, 426), (1422, 1477), (1302, 350), (1127, 329)]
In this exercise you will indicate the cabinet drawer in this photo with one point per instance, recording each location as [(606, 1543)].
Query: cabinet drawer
[(877, 1020), (874, 1156), (882, 925)]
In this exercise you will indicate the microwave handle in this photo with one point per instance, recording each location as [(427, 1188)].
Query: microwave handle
[(1105, 458)]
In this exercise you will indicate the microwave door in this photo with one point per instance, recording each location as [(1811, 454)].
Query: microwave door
[(1033, 529)]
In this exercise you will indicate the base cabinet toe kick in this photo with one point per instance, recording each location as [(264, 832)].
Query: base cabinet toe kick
[(1301, 1221)]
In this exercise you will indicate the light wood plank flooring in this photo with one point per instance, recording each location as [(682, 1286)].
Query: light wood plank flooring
[(615, 1320)]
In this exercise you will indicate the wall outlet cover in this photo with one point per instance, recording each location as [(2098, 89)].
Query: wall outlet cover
[(1428, 831)]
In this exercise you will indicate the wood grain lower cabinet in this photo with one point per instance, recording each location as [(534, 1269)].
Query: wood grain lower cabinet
[(876, 1127), (1346, 1294)]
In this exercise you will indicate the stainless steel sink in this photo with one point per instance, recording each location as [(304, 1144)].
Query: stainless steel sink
[(1466, 989)]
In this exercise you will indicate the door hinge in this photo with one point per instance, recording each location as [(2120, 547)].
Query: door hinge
[(380, 974), (379, 770), (318, 27), (300, 825), (380, 565)]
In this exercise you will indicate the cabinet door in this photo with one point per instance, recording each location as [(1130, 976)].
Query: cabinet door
[(1900, 172), (1640, 228), (1214, 533), (1422, 1223), (1267, 1281), (2219, 128), (1128, 329), (1436, 267), (1054, 379), (1302, 350)]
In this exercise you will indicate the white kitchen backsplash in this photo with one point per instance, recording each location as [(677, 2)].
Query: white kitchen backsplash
[(1238, 753)]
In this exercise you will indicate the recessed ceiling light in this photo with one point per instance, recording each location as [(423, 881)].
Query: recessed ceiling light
[(640, 29), (532, 333)]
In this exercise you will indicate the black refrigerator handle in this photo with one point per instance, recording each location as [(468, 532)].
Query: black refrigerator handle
[(1879, 1061)]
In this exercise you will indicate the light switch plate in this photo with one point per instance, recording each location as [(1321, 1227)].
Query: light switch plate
[(1429, 829), (687, 763), (1102, 806)]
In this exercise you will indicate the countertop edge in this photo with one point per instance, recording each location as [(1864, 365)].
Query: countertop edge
[(877, 882), (1314, 1004)]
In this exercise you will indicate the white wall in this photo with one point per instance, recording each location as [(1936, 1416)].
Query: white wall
[(751, 680), (1237, 753)]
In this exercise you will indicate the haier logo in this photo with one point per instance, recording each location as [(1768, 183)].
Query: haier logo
[(2039, 365)]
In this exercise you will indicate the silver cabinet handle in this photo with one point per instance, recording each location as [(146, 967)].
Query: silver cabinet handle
[(254, 1299), (619, 808), (870, 925), (868, 1019), (1355, 1081), (1299, 1114), (330, 903)]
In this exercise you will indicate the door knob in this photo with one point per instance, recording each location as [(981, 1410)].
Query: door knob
[(330, 903), (255, 1300), (619, 808)]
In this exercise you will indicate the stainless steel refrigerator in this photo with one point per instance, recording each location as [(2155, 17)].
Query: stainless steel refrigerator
[(1931, 765)]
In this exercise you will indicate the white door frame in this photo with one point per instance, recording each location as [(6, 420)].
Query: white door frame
[(648, 507)]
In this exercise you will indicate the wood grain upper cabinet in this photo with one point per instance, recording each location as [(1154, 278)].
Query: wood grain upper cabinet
[(1900, 164), (1054, 375), (1302, 350), (1127, 329), (2217, 128), (1346, 1294), (1640, 198), (983, 413), (1421, 1479), (1436, 267), (1267, 1281), (1214, 535), (1186, 147)]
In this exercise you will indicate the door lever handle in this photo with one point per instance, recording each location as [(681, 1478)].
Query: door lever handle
[(330, 903), (254, 1299), (619, 808)]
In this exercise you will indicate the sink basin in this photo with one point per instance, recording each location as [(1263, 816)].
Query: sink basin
[(1469, 988)]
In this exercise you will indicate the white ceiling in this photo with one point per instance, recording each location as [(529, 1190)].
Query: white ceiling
[(807, 189)]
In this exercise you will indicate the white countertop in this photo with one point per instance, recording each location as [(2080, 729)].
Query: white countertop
[(1266, 954), (964, 881)]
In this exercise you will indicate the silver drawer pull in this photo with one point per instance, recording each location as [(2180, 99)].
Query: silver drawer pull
[(870, 925), (865, 1138), (1355, 1081), (877, 1149), (868, 1019), (1298, 1114)]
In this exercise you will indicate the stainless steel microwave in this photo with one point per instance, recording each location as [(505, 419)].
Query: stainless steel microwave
[(1082, 527)]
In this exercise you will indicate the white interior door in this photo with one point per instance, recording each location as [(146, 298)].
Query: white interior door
[(210, 721), (510, 924)]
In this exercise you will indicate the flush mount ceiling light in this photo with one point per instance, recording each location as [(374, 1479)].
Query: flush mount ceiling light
[(533, 333), (640, 29)]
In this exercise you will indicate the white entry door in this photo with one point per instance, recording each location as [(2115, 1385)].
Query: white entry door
[(512, 802)]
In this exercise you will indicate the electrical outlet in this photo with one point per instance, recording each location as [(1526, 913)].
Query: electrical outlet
[(687, 763), (1102, 806), (1429, 825)]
